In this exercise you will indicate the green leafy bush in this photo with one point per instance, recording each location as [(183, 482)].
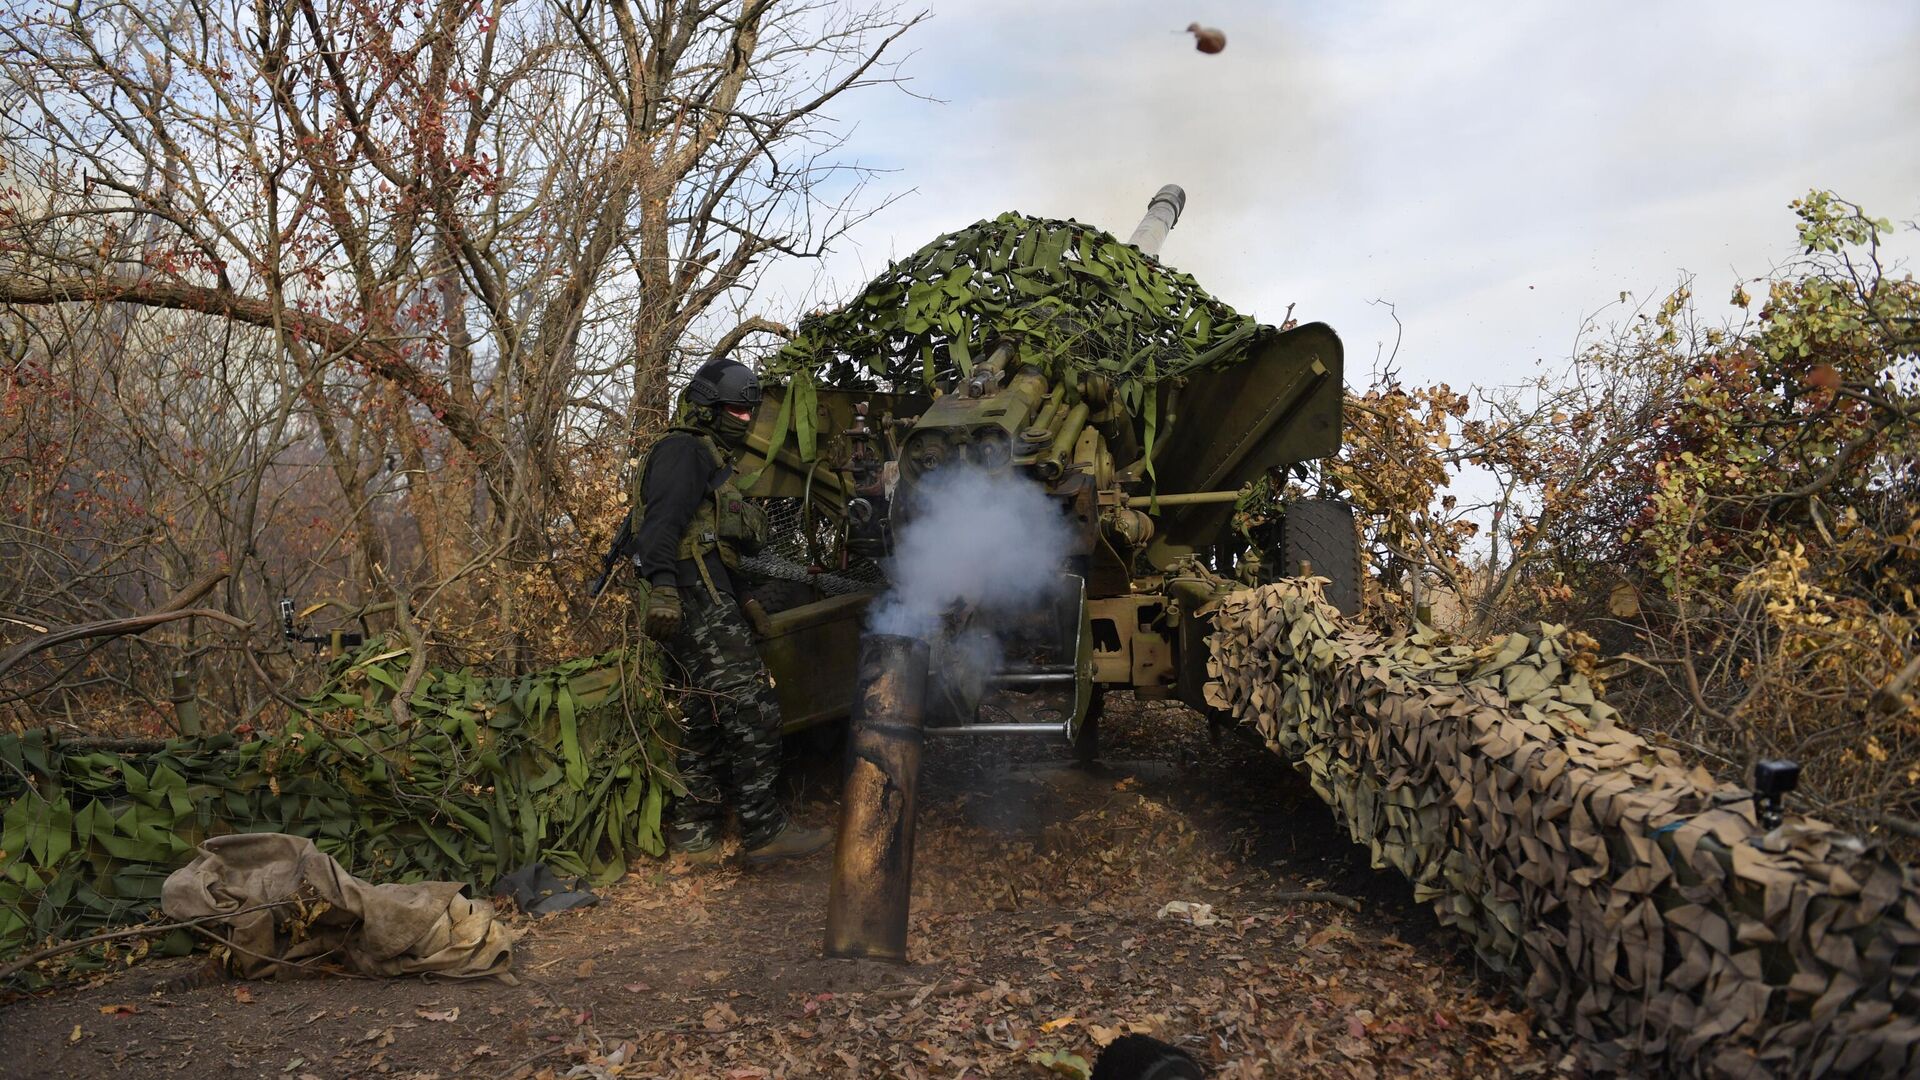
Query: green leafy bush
[(569, 766)]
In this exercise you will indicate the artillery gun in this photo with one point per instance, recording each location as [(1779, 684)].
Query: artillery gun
[(1147, 479)]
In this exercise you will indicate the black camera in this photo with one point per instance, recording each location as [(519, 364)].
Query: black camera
[(1772, 779)]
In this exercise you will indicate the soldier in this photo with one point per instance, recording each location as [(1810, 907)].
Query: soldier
[(690, 526)]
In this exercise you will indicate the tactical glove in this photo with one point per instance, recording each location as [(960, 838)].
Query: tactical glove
[(758, 618), (663, 613)]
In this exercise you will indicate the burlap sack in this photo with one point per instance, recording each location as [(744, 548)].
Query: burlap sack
[(331, 917)]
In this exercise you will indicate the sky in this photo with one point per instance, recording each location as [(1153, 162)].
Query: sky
[(1499, 174)]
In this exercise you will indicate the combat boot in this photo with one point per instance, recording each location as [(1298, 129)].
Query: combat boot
[(698, 848), (793, 842), (711, 855)]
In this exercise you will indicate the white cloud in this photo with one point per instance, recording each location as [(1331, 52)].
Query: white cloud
[(1429, 154)]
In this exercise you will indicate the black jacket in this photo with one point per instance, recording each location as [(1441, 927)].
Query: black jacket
[(679, 473)]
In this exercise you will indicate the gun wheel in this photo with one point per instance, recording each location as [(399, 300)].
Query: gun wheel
[(1320, 533), (777, 595), (1086, 738)]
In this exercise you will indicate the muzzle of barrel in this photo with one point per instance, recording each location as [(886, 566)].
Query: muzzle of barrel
[(1163, 212), (873, 861)]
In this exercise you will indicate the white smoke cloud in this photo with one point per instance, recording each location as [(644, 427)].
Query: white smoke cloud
[(992, 542), (963, 663)]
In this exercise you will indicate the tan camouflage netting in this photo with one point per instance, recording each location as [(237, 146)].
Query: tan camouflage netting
[(1646, 912)]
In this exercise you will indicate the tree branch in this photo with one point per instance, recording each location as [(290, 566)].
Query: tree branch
[(382, 358), (175, 608), (756, 325), (112, 628)]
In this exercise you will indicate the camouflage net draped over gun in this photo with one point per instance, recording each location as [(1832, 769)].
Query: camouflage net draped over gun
[(1068, 294), (1642, 906), (567, 766)]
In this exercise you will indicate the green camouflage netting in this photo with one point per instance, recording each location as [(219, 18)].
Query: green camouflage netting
[(1066, 295), (567, 766)]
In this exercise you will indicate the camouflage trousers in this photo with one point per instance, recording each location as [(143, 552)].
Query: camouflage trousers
[(730, 740)]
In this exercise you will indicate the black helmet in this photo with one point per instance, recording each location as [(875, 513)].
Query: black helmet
[(724, 382)]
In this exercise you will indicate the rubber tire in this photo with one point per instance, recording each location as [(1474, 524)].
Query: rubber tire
[(1086, 740), (778, 594), (1130, 1057), (1321, 532)]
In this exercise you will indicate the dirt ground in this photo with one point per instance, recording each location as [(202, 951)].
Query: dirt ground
[(1036, 937)]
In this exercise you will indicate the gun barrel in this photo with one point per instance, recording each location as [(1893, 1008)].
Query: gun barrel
[(1163, 211)]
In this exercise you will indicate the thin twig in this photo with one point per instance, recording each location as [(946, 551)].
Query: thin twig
[(138, 931), (297, 965), (526, 1061), (1313, 897), (948, 989)]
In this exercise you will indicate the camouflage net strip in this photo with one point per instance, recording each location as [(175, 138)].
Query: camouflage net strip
[(567, 766), (1645, 911)]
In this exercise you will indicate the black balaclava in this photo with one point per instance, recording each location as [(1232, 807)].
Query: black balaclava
[(729, 429)]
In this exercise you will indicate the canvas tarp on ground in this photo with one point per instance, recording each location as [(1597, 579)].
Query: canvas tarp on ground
[(290, 907)]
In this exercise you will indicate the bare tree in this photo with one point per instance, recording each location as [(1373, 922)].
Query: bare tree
[(429, 267)]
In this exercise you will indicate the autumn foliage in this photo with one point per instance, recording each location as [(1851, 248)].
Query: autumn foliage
[(1728, 507)]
